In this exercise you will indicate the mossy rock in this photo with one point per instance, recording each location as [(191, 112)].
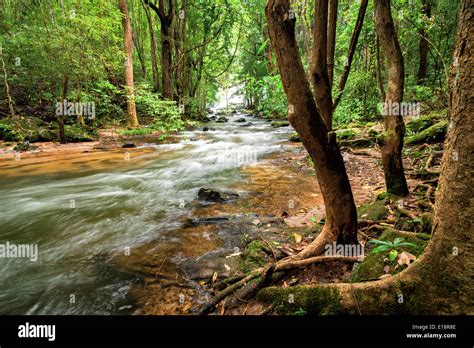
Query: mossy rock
[(31, 129), (253, 257), (418, 124), (295, 138), (279, 124), (75, 133), (346, 134), (373, 265), (435, 133), (373, 211), (302, 299)]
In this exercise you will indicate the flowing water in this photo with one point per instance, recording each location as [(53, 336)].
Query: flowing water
[(80, 209)]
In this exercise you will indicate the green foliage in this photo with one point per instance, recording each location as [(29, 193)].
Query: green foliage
[(164, 113), (383, 246), (268, 95)]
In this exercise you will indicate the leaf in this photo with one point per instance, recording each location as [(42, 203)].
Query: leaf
[(386, 269), (379, 249), (262, 46), (408, 244), (405, 258), (227, 267), (397, 241), (393, 254), (214, 277), (381, 242), (297, 237)]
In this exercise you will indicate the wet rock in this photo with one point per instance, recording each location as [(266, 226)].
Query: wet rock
[(207, 129), (241, 120), (129, 146), (205, 119), (208, 195), (247, 124), (222, 120)]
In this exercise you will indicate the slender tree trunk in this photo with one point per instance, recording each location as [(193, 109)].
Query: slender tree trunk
[(341, 217), (424, 45), (332, 24), (129, 83), (351, 51), (62, 133), (392, 143), (166, 21), (319, 68), (154, 61)]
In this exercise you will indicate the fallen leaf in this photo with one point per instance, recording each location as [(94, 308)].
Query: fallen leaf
[(297, 237), (214, 277), (227, 267), (386, 269), (405, 258)]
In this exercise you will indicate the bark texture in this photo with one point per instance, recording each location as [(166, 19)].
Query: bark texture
[(392, 142), (341, 217), (129, 83)]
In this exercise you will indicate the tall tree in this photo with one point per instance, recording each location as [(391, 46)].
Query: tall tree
[(424, 47), (166, 16), (392, 142), (129, 83), (304, 116), (154, 60)]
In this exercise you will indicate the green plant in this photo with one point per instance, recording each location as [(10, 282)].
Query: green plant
[(392, 246)]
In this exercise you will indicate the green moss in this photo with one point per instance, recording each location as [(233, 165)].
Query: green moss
[(307, 299), (278, 124), (294, 137), (373, 211), (435, 133), (416, 125), (346, 134), (373, 265), (253, 257), (75, 133), (30, 129)]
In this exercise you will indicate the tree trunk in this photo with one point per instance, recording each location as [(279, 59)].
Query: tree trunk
[(154, 61), (351, 51), (166, 21), (440, 281), (62, 133), (392, 142), (319, 68), (424, 45), (332, 24), (341, 217), (129, 83)]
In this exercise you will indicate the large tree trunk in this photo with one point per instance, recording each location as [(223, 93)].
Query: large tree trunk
[(392, 142), (424, 45), (341, 217), (129, 83), (440, 281)]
